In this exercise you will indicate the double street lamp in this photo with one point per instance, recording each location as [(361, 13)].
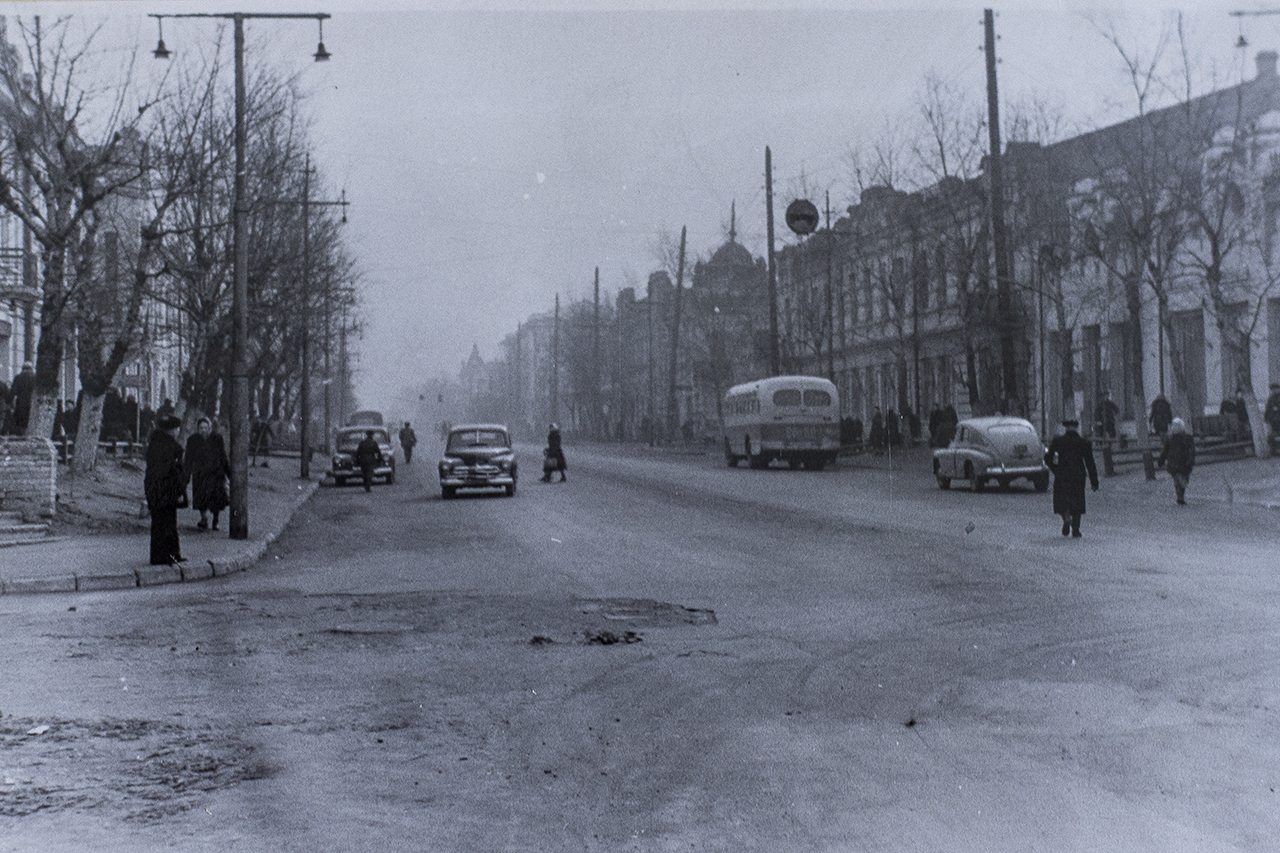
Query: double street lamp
[(239, 523)]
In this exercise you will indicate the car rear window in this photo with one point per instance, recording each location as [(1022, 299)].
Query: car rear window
[(478, 438), (787, 397), (349, 441), (816, 397)]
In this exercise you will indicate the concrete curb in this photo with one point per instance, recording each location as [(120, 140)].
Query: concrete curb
[(156, 575)]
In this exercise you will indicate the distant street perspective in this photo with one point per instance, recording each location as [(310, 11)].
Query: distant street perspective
[(668, 653), (629, 426)]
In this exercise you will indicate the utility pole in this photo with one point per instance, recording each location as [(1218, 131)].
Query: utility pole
[(775, 357), (555, 365), (673, 404), (238, 524), (304, 442), (830, 330), (596, 417), (1004, 284), (649, 352)]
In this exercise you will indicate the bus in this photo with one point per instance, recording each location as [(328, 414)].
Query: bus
[(795, 419)]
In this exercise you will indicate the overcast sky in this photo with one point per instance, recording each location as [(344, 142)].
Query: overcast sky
[(495, 157)]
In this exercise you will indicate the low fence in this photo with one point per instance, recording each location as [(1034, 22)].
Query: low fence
[(1216, 437)]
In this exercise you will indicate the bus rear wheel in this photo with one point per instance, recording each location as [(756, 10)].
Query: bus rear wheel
[(728, 454)]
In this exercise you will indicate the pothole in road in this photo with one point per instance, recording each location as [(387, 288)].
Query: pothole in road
[(538, 621)]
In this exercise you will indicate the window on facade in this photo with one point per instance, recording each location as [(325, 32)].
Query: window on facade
[(940, 275)]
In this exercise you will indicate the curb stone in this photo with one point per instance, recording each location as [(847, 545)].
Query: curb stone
[(153, 575), (61, 583), (107, 580)]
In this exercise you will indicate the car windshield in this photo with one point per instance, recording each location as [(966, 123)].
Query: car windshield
[(348, 441), (472, 438)]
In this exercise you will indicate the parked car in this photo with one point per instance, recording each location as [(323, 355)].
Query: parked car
[(478, 456), (998, 449), (342, 466)]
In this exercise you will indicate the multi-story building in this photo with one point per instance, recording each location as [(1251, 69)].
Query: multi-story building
[(1143, 262)]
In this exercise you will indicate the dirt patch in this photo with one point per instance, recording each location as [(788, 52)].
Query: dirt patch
[(146, 768), (106, 500)]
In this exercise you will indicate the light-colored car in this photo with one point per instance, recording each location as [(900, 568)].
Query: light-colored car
[(992, 449), (478, 456), (342, 466)]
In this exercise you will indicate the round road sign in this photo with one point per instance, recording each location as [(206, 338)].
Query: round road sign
[(802, 216)]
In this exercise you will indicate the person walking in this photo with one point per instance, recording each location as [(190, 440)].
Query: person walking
[(368, 455), (208, 470), (1178, 458), (555, 460), (165, 485), (1161, 415), (1070, 458), (408, 440)]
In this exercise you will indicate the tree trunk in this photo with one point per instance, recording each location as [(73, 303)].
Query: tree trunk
[(87, 433)]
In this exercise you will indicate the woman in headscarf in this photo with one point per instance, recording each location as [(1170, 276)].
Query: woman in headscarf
[(208, 468)]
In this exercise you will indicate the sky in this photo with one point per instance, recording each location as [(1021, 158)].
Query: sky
[(495, 155)]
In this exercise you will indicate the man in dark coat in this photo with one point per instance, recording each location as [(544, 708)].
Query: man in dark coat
[(1107, 411), (1161, 415), (165, 484), (1179, 457), (208, 468), (1070, 458), (1272, 412), (876, 437), (20, 393), (555, 460), (368, 455), (408, 441)]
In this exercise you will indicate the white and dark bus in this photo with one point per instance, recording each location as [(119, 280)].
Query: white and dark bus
[(792, 418)]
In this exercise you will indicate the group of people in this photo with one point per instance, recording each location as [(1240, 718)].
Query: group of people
[(15, 401), (169, 468)]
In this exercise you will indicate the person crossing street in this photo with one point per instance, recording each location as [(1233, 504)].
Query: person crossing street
[(1070, 458)]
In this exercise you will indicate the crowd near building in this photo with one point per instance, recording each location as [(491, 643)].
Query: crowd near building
[(1143, 263)]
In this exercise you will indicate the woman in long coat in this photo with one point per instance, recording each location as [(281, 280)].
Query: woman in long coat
[(1070, 458), (165, 484), (208, 468)]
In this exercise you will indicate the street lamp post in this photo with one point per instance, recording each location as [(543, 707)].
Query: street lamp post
[(238, 528)]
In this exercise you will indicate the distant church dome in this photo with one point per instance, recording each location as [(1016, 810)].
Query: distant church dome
[(732, 254)]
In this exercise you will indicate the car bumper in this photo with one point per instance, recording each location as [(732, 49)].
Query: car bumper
[(1015, 470), (380, 471), (460, 480)]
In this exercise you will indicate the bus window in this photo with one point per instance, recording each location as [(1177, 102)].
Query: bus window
[(816, 397), (787, 397)]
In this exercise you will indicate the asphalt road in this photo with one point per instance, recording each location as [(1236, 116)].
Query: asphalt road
[(666, 654)]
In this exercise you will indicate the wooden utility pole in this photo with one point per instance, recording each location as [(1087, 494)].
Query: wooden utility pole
[(673, 405), (555, 365), (1004, 282), (775, 356), (830, 330), (596, 417)]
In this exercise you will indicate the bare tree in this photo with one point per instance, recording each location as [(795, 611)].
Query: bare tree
[(71, 146)]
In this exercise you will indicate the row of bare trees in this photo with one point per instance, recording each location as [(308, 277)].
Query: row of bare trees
[(126, 191)]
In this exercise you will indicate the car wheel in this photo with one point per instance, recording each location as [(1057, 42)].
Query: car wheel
[(943, 482), (757, 462), (1004, 484), (976, 483), (816, 463), (391, 478), (1041, 482), (511, 490), (447, 492), (728, 454), (339, 481)]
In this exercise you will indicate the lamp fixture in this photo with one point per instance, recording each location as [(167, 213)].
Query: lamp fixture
[(161, 52), (321, 54)]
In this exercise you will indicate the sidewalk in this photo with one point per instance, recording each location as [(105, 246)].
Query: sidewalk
[(82, 562), (1245, 481)]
